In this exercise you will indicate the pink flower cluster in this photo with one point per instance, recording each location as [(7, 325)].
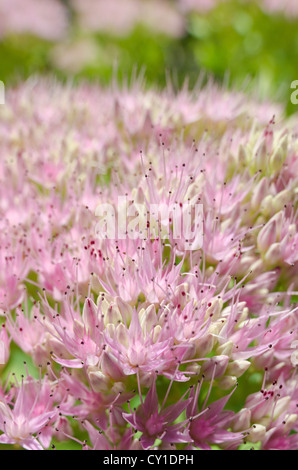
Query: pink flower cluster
[(141, 343), (47, 19), (121, 17)]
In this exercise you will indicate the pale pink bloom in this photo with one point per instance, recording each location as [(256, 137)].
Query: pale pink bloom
[(100, 442), (280, 439), (79, 336), (121, 17), (114, 318), (272, 414), (13, 269), (256, 292), (201, 6), (111, 17), (26, 421), (72, 56), (43, 18), (278, 240), (155, 422), (210, 424), (137, 348), (28, 332), (151, 12), (84, 402)]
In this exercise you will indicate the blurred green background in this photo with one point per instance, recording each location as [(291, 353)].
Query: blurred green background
[(238, 42)]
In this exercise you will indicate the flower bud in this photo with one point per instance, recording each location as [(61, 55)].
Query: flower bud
[(241, 421), (214, 309), (242, 157), (257, 433), (274, 254), (226, 348), (4, 346), (267, 236), (125, 309), (259, 193), (215, 365), (227, 382), (148, 318), (110, 367), (238, 367), (281, 199), (281, 406), (204, 345), (279, 155), (261, 155), (195, 368), (290, 422), (99, 381), (112, 315)]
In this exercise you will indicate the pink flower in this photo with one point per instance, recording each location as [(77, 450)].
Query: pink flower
[(139, 347), (28, 332), (79, 337), (121, 18), (13, 270), (154, 423), (100, 442), (210, 425), (45, 18), (25, 421)]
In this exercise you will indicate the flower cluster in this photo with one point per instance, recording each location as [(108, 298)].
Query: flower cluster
[(47, 19), (147, 342)]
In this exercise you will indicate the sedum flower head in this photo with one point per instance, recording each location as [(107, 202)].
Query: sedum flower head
[(145, 338)]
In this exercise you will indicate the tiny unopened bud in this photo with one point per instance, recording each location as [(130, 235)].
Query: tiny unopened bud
[(281, 406), (227, 382), (241, 420), (226, 348), (267, 236), (257, 433), (274, 254), (110, 367), (215, 366), (279, 155), (290, 422), (281, 199), (266, 207), (99, 382), (259, 193), (148, 318), (204, 345), (118, 387), (214, 309), (196, 368), (238, 367)]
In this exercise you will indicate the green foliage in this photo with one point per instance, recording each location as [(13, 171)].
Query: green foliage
[(245, 43)]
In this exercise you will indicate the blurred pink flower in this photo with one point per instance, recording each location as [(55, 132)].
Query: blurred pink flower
[(121, 17), (25, 421), (43, 18)]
